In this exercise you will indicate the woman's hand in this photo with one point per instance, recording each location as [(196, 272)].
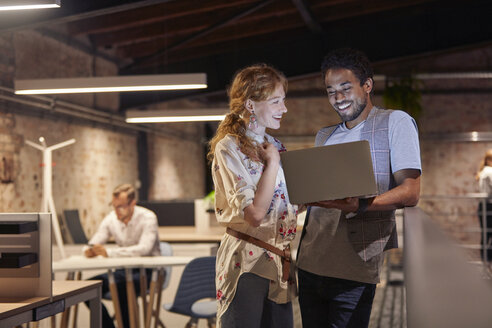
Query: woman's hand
[(269, 153), (256, 212)]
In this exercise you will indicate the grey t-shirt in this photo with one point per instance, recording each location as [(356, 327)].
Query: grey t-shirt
[(325, 248)]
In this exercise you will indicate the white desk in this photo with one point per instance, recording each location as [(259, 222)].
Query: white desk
[(184, 234), (81, 263), (16, 311)]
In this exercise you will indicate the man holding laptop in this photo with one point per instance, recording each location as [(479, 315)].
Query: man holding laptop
[(341, 249)]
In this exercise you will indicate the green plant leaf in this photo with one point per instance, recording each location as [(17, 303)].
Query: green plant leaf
[(404, 94)]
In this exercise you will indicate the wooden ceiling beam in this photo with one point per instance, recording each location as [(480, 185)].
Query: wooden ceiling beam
[(437, 28), (150, 14), (350, 9), (247, 23), (169, 29), (234, 33), (182, 26), (199, 35), (248, 26), (251, 28), (308, 17), (218, 48)]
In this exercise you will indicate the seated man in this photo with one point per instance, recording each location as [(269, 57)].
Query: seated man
[(134, 229)]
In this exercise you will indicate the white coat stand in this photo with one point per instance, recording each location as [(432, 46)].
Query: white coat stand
[(47, 204)]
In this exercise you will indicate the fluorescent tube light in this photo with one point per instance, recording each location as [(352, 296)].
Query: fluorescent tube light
[(183, 115), (174, 119), (112, 84), (28, 4)]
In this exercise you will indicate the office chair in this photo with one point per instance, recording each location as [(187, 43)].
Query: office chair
[(166, 250), (197, 283), (72, 220)]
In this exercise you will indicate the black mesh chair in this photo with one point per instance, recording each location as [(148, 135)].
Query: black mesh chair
[(72, 220), (195, 296)]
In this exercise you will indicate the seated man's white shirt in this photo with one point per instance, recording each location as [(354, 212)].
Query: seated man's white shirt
[(139, 238)]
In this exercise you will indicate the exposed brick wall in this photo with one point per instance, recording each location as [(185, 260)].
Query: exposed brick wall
[(10, 141), (6, 60), (10, 145), (85, 172), (40, 57), (449, 167), (177, 169)]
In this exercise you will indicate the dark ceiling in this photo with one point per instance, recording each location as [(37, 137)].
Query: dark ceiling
[(220, 36)]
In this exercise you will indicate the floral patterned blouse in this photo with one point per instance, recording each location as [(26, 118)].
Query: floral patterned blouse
[(235, 177)]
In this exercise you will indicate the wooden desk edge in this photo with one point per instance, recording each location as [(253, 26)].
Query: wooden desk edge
[(67, 288), (61, 290)]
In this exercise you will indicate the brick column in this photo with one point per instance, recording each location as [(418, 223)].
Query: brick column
[(10, 142)]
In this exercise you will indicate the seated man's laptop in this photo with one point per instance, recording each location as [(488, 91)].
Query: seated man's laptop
[(329, 172)]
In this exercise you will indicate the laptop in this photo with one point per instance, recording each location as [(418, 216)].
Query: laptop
[(329, 172)]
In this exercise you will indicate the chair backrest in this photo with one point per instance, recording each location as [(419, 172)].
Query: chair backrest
[(166, 250), (197, 282), (72, 221)]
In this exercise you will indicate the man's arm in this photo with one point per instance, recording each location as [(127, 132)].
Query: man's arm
[(95, 250), (146, 241), (406, 193), (101, 236)]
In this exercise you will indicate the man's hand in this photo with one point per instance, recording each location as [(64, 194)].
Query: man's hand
[(89, 252), (301, 208), (96, 250), (406, 193), (350, 204)]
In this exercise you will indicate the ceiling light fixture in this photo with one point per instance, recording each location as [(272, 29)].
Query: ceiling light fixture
[(182, 115), (112, 84), (28, 4)]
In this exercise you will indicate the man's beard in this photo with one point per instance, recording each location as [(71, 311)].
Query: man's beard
[(350, 117)]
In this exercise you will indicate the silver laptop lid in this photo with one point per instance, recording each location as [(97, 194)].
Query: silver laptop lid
[(329, 172)]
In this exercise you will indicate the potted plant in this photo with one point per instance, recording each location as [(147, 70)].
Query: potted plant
[(404, 93)]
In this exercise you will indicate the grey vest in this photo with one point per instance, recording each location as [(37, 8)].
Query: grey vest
[(372, 232)]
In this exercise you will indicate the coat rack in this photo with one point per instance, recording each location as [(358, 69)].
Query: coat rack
[(47, 203)]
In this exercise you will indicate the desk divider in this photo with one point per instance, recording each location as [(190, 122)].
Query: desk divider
[(29, 236)]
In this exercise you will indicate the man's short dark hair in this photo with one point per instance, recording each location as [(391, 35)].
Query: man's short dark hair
[(350, 59)]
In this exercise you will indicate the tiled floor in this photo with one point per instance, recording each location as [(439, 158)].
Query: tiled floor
[(389, 307)]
